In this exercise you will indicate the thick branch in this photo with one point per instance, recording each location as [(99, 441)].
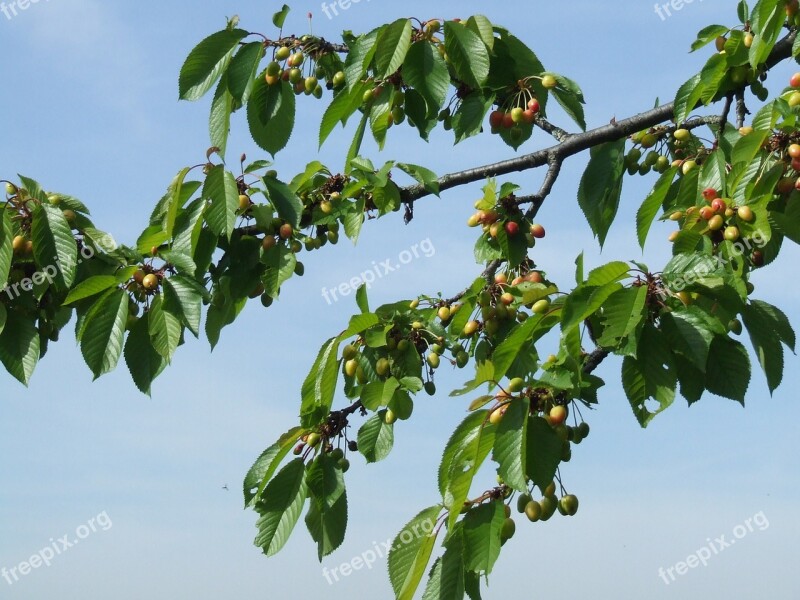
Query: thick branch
[(577, 143)]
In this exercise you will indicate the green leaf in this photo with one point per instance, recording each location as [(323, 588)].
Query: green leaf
[(19, 348), (651, 375), (165, 329), (767, 345), (376, 438), (288, 206), (601, 187), (283, 501), (361, 298), (262, 470), (623, 313), (446, 579), (516, 343), (220, 187), (325, 482), (328, 528), (360, 56), (467, 54), (271, 114), (651, 205), (206, 62), (6, 249), (482, 527), (391, 48), (320, 385), (279, 18), (3, 317), (712, 76), (104, 332), (708, 35), (184, 297), (90, 287), (345, 104), (53, 244), (411, 551), (570, 97), (608, 273), (510, 445), (424, 70), (241, 73), (728, 369), (777, 320), (689, 334), (767, 21), (543, 452), (219, 119), (688, 96), (466, 450), (144, 363), (426, 177)]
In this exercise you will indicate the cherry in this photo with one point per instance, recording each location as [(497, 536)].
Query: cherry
[(688, 166), (508, 121), (18, 244), (512, 228), (282, 53), (244, 202), (719, 205), (433, 360), (390, 416), (351, 367), (716, 223), (529, 116), (706, 213), (745, 130), (471, 328), (549, 505), (516, 114), (758, 258), (747, 39), (507, 530), (516, 385), (541, 307), (537, 231), (507, 299), (558, 414), (496, 119), (150, 282), (720, 42), (296, 59), (681, 134), (533, 510), (474, 220), (731, 233), (501, 278), (11, 189), (794, 99), (286, 231), (709, 194), (583, 429), (497, 415), (533, 105), (569, 504), (444, 313), (534, 277), (382, 367), (549, 82), (745, 213), (794, 80)]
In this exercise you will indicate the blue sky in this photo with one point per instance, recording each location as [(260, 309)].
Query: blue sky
[(90, 107)]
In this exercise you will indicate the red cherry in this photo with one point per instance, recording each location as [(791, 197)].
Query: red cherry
[(512, 228), (706, 213), (709, 194), (537, 231), (719, 205), (496, 119), (508, 122), (533, 104), (794, 80)]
